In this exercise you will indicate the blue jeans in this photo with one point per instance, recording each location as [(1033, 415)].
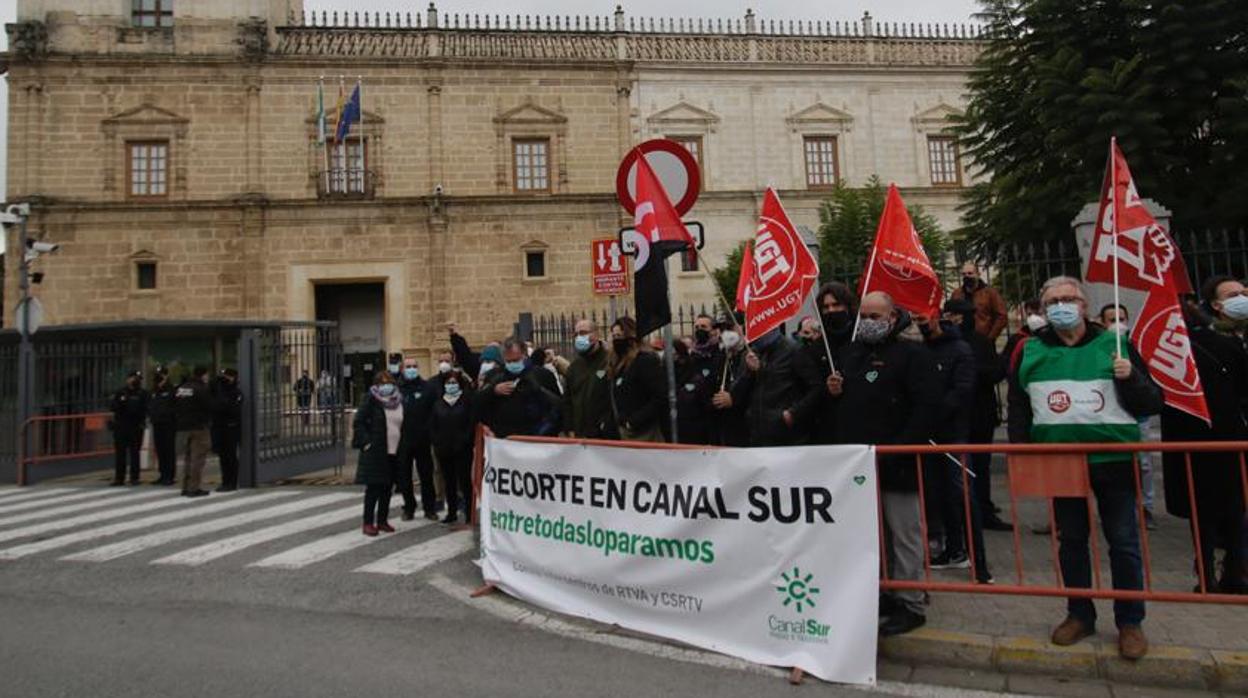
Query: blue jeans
[(1114, 487)]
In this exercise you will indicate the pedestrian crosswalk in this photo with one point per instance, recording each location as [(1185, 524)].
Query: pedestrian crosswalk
[(278, 529)]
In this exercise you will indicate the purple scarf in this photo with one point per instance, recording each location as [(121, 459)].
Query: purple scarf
[(387, 402)]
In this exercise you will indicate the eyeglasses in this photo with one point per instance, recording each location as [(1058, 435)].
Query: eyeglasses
[(1063, 299)]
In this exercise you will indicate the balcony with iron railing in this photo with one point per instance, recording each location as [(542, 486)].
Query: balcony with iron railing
[(347, 183)]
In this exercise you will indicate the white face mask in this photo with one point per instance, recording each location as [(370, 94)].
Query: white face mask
[(1118, 327), (487, 366), (1035, 323), (444, 367), (729, 339)]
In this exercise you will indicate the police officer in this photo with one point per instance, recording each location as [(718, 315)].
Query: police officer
[(160, 410), (193, 409), (129, 408), (227, 424)]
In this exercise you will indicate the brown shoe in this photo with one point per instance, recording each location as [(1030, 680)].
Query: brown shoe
[(1131, 642), (1071, 630)]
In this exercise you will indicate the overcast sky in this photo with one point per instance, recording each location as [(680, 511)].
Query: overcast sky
[(944, 11)]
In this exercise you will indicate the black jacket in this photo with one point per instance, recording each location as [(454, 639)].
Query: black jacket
[(528, 411), (451, 427), (786, 381), (956, 370), (1223, 367), (639, 394), (586, 407), (369, 435), (129, 408), (467, 359), (161, 408), (193, 405), (696, 384), (891, 393), (418, 397), (822, 424), (989, 371), (227, 408), (729, 426)]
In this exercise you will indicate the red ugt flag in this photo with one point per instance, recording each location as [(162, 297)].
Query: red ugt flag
[(746, 277), (898, 264), (1145, 251), (782, 271), (1160, 335)]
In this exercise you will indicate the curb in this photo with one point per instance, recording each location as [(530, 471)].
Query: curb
[(1165, 665)]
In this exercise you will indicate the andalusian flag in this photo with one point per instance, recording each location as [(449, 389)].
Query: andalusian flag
[(321, 127)]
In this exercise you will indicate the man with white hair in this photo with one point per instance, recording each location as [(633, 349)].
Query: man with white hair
[(1072, 384)]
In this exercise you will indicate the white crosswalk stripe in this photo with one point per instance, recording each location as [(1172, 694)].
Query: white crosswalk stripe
[(98, 503), (76, 521), (28, 495), (169, 535), (61, 499), (10, 490), (325, 548), (418, 557), (191, 508), (226, 546)]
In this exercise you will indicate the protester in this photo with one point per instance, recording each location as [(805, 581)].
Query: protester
[(586, 405), (1226, 300), (491, 359), (697, 382), (129, 408), (452, 432), (886, 391), (468, 361), (990, 314), (227, 425), (395, 365), (1072, 386), (779, 390), (160, 410), (445, 363), (1215, 481), (304, 389), (378, 433), (1033, 322), (544, 358), (512, 398), (418, 401), (729, 426), (838, 306), (1115, 318), (193, 410), (638, 389)]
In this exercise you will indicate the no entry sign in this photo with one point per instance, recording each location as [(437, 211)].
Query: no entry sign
[(610, 272), (675, 167)]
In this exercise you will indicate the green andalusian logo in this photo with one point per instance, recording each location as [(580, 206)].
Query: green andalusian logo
[(797, 590)]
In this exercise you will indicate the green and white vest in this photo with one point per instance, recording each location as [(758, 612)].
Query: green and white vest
[(1072, 394)]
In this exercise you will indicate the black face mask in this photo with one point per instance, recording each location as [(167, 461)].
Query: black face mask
[(702, 336), (836, 321), (925, 330), (621, 346), (968, 284)]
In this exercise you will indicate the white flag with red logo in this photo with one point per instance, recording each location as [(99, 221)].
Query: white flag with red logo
[(784, 271), (898, 264)]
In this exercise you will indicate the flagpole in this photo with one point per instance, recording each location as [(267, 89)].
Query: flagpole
[(342, 142), (669, 355), (1113, 202), (718, 291), (866, 283), (359, 87), (323, 131)]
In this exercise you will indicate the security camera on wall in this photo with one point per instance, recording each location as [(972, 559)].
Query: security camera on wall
[(437, 190)]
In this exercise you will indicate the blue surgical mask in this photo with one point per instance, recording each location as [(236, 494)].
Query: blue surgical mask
[(411, 373), (1235, 307), (515, 368), (386, 389), (452, 389), (1063, 316), (394, 368), (582, 343)]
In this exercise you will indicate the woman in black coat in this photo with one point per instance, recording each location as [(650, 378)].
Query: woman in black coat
[(378, 433), (638, 386), (1219, 492), (452, 430)]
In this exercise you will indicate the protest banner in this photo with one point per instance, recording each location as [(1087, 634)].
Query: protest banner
[(770, 555)]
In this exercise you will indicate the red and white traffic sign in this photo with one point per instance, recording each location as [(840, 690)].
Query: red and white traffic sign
[(672, 163), (610, 271)]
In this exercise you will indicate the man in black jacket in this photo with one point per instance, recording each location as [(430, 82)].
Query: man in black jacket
[(512, 399), (160, 410), (728, 424), (696, 383), (886, 393), (227, 423), (129, 408), (193, 407), (418, 398), (779, 390)]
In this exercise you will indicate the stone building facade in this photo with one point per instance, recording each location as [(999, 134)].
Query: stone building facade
[(173, 154)]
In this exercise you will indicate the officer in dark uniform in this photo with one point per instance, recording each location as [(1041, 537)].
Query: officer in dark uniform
[(227, 421), (160, 411), (129, 408)]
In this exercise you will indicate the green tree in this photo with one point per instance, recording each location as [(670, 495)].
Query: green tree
[(848, 219), (726, 275), (1058, 78)]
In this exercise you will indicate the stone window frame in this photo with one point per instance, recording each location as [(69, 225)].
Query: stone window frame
[(535, 247), (685, 120), (373, 136), (698, 152), (934, 122), (530, 121), (161, 13), (814, 138), (138, 259), (516, 144), (165, 170), (145, 122), (819, 120), (950, 143)]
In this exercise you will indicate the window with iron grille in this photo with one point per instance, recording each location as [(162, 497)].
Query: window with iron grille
[(822, 167), (942, 157), (148, 168), (531, 164), (151, 13), (348, 166)]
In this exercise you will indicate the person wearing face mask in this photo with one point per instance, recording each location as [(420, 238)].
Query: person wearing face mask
[(838, 305), (990, 314), (696, 382), (491, 358), (227, 425), (468, 361), (728, 423), (377, 432), (512, 398), (544, 358), (418, 400), (160, 410), (886, 391), (586, 406), (444, 362), (1226, 301), (1116, 319), (779, 390), (1033, 321), (1072, 385), (129, 408), (452, 426), (638, 387), (395, 366)]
